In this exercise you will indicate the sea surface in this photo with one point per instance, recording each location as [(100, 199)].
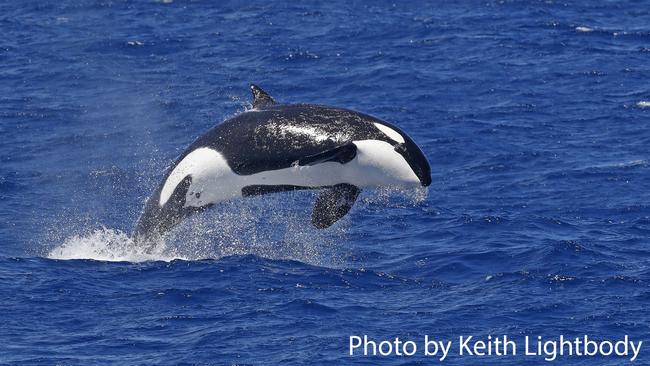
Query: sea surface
[(535, 117)]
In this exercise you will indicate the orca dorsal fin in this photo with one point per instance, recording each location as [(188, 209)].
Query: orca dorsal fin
[(260, 97)]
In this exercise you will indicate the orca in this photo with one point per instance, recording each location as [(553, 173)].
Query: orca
[(282, 147)]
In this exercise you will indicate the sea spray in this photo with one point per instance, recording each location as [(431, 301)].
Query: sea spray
[(110, 245), (264, 226)]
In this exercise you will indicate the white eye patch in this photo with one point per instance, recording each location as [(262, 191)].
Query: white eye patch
[(392, 134)]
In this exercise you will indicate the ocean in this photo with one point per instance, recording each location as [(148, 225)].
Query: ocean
[(532, 115)]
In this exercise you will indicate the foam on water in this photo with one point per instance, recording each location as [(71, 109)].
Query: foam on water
[(584, 29), (110, 245), (199, 241)]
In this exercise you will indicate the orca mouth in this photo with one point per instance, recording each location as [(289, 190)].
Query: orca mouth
[(416, 160)]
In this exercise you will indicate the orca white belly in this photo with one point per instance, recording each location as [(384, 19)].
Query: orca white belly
[(376, 164)]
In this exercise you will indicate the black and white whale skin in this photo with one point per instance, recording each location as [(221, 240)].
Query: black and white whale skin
[(274, 148)]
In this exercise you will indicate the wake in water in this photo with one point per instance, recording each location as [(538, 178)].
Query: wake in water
[(261, 226)]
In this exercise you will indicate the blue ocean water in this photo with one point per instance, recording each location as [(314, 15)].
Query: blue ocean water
[(533, 116)]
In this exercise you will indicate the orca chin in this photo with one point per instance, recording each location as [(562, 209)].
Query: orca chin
[(276, 148)]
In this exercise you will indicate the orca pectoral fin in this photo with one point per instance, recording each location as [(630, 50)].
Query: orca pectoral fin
[(341, 154), (332, 204)]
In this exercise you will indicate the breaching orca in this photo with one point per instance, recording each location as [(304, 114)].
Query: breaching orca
[(274, 148)]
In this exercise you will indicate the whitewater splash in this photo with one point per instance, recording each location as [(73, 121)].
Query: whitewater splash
[(263, 227), (113, 245), (110, 245)]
